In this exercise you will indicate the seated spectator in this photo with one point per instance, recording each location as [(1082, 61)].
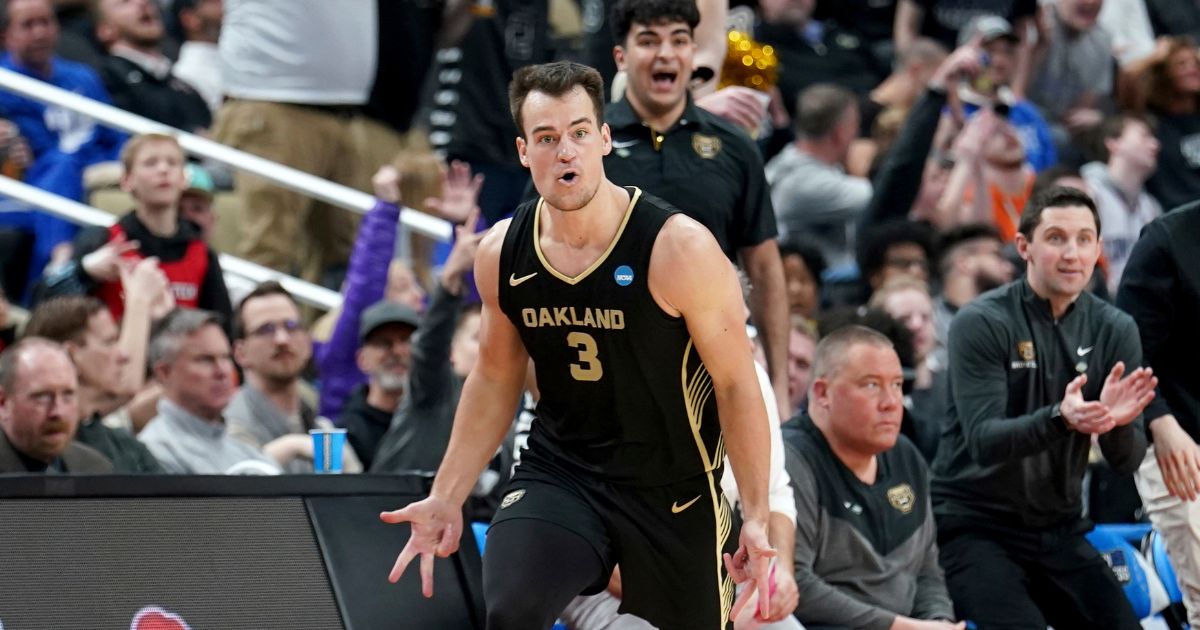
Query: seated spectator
[(189, 354), (993, 89), (907, 300), (801, 343), (154, 176), (38, 413), (88, 333), (866, 551), (443, 354), (803, 265), (384, 354), (990, 181), (272, 346), (970, 262), (896, 248), (137, 71), (1118, 186), (199, 63), (63, 142), (1039, 370), (1072, 78), (811, 192)]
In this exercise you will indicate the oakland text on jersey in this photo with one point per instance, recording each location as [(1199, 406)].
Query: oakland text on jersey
[(605, 318)]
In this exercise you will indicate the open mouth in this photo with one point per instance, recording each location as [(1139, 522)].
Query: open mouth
[(568, 177), (663, 80)]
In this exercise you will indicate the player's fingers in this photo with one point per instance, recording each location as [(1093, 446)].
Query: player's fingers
[(402, 560), (764, 601), (395, 516), (742, 600), (427, 574), (449, 542)]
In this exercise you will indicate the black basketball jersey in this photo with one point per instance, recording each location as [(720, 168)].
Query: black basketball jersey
[(624, 394)]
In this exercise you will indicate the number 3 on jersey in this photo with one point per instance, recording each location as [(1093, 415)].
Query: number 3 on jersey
[(588, 368)]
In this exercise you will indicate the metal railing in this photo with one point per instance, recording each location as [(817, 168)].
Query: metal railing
[(76, 212), (284, 176)]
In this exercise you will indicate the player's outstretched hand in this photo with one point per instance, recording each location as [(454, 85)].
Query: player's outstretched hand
[(436, 528), (1127, 397), (752, 561)]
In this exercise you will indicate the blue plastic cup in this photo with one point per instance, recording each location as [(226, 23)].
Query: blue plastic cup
[(327, 450)]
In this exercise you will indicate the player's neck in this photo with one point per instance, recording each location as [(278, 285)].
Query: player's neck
[(594, 224)]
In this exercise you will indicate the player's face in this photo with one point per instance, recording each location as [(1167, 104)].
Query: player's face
[(658, 61), (864, 399), (563, 147), (156, 176), (1062, 253)]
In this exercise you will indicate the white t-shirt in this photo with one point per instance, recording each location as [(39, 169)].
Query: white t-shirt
[(319, 52)]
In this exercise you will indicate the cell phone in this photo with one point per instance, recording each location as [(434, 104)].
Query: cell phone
[(1002, 109)]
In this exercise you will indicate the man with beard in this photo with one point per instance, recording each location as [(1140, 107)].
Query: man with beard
[(971, 262), (38, 413), (273, 347)]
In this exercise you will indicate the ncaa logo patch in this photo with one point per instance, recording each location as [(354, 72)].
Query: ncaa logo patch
[(623, 275), (511, 498)]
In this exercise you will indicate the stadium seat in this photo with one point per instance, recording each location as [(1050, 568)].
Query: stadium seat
[(1162, 566), (1141, 584)]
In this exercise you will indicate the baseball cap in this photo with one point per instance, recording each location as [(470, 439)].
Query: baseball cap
[(989, 26), (385, 312), (198, 179)]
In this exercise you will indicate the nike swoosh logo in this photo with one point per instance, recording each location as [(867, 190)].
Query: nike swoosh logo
[(676, 508), (624, 145), (1083, 352), (513, 280)]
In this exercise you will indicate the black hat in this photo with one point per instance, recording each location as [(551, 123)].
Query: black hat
[(385, 312)]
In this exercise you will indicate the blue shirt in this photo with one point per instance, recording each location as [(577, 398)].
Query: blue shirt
[(1033, 130)]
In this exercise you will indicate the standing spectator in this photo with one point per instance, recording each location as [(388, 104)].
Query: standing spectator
[(1161, 290), (438, 361), (154, 176), (810, 190), (990, 181), (866, 551), (63, 142), (189, 354), (272, 346), (199, 63), (38, 413), (1073, 78), (695, 160), (943, 20), (1035, 375), (1118, 188), (196, 201), (296, 74), (993, 89), (137, 71)]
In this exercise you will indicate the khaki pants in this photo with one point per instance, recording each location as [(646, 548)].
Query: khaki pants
[(282, 229), (1179, 523)]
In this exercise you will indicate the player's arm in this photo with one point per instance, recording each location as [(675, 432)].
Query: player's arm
[(492, 390), (691, 276)]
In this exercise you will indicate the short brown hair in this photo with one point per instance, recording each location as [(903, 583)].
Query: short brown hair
[(833, 348), (555, 79), (63, 319), (137, 143), (1055, 197)]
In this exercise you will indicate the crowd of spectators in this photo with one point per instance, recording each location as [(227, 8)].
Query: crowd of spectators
[(964, 227)]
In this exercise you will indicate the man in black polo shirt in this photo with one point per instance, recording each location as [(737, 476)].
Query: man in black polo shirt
[(699, 163), (1035, 372)]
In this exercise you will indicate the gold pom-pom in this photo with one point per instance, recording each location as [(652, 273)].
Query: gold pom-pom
[(749, 63)]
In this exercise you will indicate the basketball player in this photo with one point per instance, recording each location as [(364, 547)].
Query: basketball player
[(635, 323)]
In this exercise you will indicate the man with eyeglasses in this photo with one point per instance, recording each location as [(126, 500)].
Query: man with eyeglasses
[(268, 412), (38, 415)]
